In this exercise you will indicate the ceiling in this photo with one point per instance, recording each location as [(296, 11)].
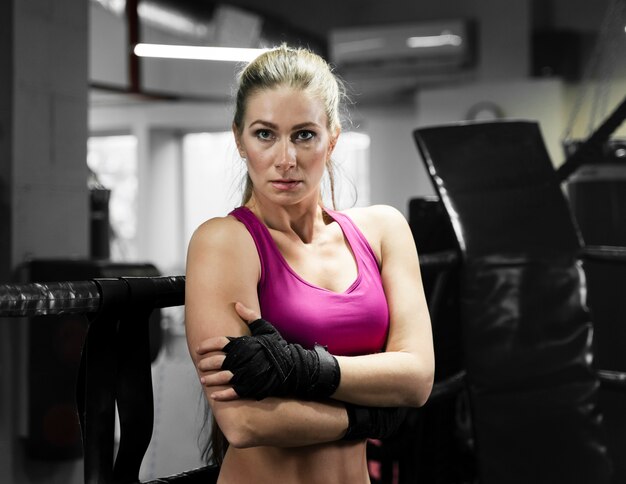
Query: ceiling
[(320, 17), (311, 24)]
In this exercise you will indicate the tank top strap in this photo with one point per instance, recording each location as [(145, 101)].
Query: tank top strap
[(357, 241), (272, 261)]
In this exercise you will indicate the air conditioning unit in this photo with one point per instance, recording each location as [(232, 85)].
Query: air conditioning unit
[(418, 50)]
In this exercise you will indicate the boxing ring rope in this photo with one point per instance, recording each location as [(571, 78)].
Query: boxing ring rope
[(115, 368), (79, 297)]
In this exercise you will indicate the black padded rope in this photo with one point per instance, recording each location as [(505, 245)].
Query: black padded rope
[(77, 297), (116, 369), (95, 389), (40, 299), (133, 388), (115, 364)]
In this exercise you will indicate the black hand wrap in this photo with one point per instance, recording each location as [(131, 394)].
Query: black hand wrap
[(264, 364), (373, 422)]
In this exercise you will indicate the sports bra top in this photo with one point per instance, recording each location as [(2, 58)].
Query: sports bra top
[(352, 322)]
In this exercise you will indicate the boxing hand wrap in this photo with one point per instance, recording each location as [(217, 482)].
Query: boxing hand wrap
[(264, 364), (373, 422), (254, 375)]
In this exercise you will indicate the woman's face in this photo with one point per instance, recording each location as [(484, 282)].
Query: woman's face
[(286, 142)]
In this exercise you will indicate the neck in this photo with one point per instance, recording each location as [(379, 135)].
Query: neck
[(300, 220)]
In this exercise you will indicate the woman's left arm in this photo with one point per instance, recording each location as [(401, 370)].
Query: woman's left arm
[(403, 374)]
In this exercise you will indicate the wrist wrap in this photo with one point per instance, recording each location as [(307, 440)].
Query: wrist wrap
[(264, 364), (373, 422)]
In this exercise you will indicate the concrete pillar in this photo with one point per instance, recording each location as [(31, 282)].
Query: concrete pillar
[(43, 173), (50, 197)]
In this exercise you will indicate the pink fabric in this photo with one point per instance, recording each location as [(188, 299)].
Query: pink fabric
[(353, 322)]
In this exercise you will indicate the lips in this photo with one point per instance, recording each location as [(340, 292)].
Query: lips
[(285, 184)]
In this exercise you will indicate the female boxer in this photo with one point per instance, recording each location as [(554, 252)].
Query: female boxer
[(345, 341)]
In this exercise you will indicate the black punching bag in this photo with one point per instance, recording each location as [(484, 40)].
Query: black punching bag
[(527, 332), (598, 199)]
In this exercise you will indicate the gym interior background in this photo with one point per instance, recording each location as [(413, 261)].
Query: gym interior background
[(82, 117)]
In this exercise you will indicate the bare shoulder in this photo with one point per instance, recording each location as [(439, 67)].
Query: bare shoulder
[(378, 223), (222, 240), (217, 227), (221, 233), (377, 218)]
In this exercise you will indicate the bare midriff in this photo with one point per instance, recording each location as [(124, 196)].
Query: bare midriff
[(334, 463)]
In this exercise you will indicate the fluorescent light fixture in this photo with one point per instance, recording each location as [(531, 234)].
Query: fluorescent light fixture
[(434, 40), (228, 54), (359, 45)]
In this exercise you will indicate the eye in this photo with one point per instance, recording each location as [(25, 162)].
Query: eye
[(305, 135), (263, 134)]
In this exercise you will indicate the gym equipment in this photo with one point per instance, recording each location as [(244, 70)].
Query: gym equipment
[(526, 330)]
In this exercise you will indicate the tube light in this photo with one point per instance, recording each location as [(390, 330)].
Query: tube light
[(195, 52), (434, 40)]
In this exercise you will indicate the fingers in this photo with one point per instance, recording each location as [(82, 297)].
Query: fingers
[(212, 344), (213, 377), (211, 363), (225, 395), (212, 374), (245, 313), (219, 378)]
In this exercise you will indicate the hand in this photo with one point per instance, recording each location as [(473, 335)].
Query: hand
[(213, 357), (245, 313), (264, 364), (261, 363)]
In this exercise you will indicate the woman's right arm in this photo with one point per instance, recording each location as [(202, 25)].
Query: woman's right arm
[(222, 268)]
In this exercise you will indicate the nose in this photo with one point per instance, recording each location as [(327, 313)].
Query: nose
[(286, 156)]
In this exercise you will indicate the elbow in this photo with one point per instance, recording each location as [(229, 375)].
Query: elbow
[(237, 430), (420, 397), (424, 393), (423, 386), (426, 388), (238, 438)]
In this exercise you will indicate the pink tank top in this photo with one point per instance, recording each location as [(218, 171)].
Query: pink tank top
[(352, 322)]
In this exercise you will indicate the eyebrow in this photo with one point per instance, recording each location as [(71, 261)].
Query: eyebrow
[(274, 126)]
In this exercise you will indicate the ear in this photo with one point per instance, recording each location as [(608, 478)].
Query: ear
[(240, 147), (333, 141)]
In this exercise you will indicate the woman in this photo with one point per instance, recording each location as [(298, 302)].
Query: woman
[(341, 293)]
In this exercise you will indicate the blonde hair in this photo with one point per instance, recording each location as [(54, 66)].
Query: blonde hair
[(297, 68)]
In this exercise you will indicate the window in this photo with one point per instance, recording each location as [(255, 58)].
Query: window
[(212, 171)]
